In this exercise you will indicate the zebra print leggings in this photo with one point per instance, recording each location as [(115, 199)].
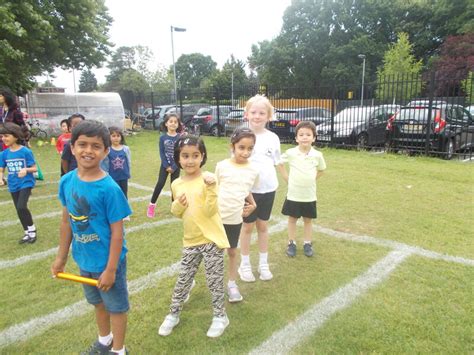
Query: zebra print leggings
[(214, 267)]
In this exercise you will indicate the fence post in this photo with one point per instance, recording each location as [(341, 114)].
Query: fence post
[(430, 110), (180, 98), (333, 113), (218, 112), (152, 111)]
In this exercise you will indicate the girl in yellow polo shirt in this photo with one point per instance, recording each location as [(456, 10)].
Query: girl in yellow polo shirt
[(195, 202)]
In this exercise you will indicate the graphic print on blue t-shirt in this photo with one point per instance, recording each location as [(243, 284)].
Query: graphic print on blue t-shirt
[(81, 215), (118, 163)]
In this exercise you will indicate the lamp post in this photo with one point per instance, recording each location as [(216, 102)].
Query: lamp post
[(175, 29), (362, 56)]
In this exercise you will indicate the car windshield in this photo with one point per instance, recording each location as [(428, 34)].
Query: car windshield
[(353, 114), (286, 115), (419, 114)]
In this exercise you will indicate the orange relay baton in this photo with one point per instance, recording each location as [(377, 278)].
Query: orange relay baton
[(76, 278)]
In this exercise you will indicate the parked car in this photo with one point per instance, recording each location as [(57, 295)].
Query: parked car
[(208, 120), (470, 109), (286, 120), (362, 126), (187, 113), (426, 103), (160, 112), (451, 129), (234, 119)]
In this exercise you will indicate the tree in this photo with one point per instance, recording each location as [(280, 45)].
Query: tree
[(191, 69), (231, 76), (87, 81), (400, 77), (455, 61), (37, 36)]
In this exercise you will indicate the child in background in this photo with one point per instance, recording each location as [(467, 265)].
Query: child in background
[(236, 177), (120, 159), (21, 165), (93, 210), (265, 155), (172, 125), (63, 137), (306, 166), (195, 201), (68, 161)]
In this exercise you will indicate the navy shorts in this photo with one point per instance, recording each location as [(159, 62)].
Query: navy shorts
[(115, 299), (264, 207), (233, 233), (299, 209)]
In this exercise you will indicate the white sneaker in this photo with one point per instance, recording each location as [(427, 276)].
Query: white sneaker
[(218, 326), (234, 294), (264, 271), (245, 272), (189, 293), (168, 324)]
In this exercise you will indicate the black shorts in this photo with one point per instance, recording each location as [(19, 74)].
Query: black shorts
[(233, 233), (264, 207), (299, 209)]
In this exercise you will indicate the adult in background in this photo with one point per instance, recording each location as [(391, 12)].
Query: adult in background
[(12, 113)]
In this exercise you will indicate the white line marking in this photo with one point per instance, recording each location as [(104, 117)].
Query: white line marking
[(36, 326), (394, 245), (44, 197), (5, 264), (146, 188), (285, 339)]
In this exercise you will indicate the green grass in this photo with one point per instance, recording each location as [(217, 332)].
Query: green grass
[(424, 306)]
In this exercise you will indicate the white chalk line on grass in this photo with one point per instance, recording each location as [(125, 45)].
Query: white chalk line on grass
[(147, 188), (5, 264), (34, 198), (394, 245), (285, 339), (36, 326)]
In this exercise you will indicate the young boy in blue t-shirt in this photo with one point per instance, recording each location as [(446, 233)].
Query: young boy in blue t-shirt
[(93, 209)]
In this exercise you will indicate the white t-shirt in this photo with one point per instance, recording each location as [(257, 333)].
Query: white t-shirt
[(265, 155), (235, 182)]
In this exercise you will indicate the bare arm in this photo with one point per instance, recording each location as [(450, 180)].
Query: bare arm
[(65, 238), (282, 170), (319, 174), (1, 177), (250, 205)]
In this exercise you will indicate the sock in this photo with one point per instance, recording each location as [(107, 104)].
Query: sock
[(120, 352), (107, 340), (231, 283), (291, 242), (152, 204), (245, 259), (32, 228), (263, 258), (307, 242)]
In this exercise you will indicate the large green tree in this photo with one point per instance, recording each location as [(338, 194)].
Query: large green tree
[(37, 36), (87, 81), (230, 79), (191, 69), (320, 39)]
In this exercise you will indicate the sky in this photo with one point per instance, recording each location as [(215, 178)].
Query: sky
[(217, 28)]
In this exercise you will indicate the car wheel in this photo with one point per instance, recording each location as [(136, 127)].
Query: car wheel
[(215, 130), (448, 149), (362, 141)]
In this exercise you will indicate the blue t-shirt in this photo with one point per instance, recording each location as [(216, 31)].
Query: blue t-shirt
[(119, 163), (92, 207), (167, 150), (14, 161)]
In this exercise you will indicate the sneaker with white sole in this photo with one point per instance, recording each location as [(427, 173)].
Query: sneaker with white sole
[(97, 348), (171, 321), (218, 326), (150, 212), (234, 294), (189, 293), (264, 271), (246, 274)]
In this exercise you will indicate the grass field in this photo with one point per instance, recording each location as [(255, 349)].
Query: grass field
[(394, 270)]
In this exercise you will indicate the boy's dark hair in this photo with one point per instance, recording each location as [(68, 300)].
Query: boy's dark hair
[(115, 129), (73, 116), (306, 124), (242, 132), (66, 121), (13, 129), (91, 128), (167, 117), (189, 140)]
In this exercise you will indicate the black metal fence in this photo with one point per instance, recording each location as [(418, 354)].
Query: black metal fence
[(416, 114)]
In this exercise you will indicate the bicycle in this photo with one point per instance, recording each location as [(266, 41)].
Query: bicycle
[(36, 130)]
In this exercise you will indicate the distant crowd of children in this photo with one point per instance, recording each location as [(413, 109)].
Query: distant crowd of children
[(219, 210)]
